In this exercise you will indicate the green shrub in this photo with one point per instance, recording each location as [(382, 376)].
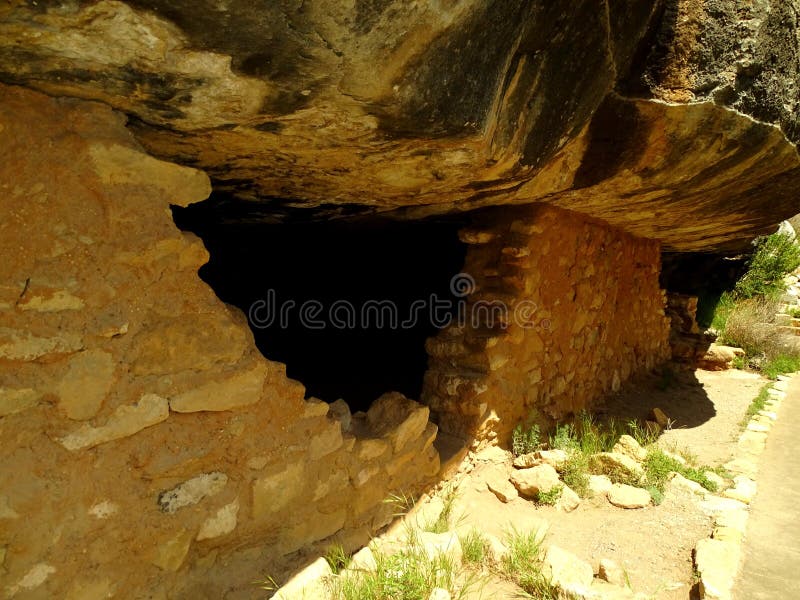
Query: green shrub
[(524, 441), (779, 365), (774, 257), (657, 466), (550, 498)]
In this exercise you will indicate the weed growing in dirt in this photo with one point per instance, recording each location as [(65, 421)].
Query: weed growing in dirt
[(523, 564), (642, 434), (551, 497), (779, 365), (337, 558), (402, 503), (524, 441), (758, 403), (575, 473), (658, 466), (474, 547), (442, 523)]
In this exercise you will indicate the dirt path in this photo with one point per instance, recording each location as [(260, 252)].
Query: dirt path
[(772, 542)]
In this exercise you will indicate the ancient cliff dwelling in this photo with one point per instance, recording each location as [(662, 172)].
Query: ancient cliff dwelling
[(174, 174)]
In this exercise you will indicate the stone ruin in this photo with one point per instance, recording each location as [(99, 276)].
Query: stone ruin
[(150, 447)]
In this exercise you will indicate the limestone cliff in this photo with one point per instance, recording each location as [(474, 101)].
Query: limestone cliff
[(672, 119)]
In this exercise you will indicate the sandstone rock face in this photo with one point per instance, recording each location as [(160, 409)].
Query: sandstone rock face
[(626, 496), (484, 103), (149, 449)]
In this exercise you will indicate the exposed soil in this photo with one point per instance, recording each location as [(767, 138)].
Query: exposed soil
[(654, 545)]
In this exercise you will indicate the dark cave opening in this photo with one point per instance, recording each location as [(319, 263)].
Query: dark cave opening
[(346, 304)]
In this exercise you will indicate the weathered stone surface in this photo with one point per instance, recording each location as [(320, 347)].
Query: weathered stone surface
[(222, 523), (614, 462), (599, 485), (398, 419), (717, 562), (341, 411), (719, 357), (35, 577), (498, 483), (569, 500), (363, 560), (626, 496), (88, 380), (327, 441), (192, 491), (236, 391), (24, 346), (569, 573), (744, 489), (232, 88), (439, 594), (531, 482), (123, 422), (628, 446), (273, 493), (170, 553), (554, 458), (678, 485), (526, 461), (15, 401)]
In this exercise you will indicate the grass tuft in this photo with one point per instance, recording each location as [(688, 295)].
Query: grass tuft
[(474, 547), (551, 497), (443, 522), (523, 564), (337, 558)]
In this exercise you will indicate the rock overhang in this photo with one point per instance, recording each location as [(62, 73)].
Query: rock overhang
[(415, 110)]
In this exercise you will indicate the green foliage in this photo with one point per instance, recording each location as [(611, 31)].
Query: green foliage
[(656, 494), (641, 433), (758, 403), (565, 438), (575, 473), (337, 558), (779, 365), (522, 563), (474, 547), (551, 497), (524, 441), (723, 308), (658, 466), (774, 257), (407, 575)]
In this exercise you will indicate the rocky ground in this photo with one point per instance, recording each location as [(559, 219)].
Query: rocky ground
[(614, 543)]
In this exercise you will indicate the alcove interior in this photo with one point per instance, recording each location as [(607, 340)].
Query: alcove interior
[(302, 256)]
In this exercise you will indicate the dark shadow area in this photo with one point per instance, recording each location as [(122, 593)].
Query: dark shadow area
[(706, 276), (334, 300)]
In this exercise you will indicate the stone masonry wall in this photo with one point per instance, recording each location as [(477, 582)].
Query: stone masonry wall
[(584, 312), (147, 449)]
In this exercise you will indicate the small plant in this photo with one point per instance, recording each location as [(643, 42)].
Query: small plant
[(524, 441), (758, 403), (474, 547), (550, 498), (402, 503), (337, 558), (442, 522), (565, 438), (774, 257), (656, 494), (643, 435), (268, 583), (658, 466), (575, 473), (407, 575), (522, 563)]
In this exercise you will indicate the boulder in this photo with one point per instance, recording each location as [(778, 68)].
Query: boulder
[(569, 500), (627, 496), (616, 465), (526, 461), (611, 572), (531, 482), (566, 571), (717, 562), (309, 582), (628, 446), (719, 357), (554, 458), (498, 483), (599, 485)]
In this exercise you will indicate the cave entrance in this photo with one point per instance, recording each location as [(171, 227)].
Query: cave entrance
[(339, 301)]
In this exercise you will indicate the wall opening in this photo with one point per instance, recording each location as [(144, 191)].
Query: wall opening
[(277, 272)]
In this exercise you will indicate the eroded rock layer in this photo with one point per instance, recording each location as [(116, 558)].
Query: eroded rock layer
[(147, 449), (564, 309), (673, 119)]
